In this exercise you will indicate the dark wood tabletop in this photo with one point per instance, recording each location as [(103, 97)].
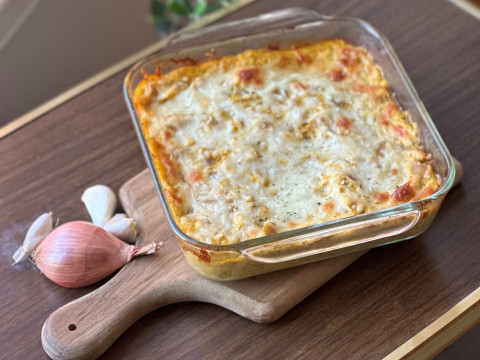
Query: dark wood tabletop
[(367, 311)]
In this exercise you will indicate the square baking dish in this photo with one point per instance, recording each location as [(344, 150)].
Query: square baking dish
[(283, 29)]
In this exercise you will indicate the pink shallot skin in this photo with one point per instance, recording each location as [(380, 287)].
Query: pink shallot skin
[(79, 253)]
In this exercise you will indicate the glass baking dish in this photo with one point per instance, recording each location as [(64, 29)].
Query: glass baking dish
[(256, 256)]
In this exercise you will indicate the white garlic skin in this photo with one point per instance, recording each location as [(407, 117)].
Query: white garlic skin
[(19, 256), (100, 202), (122, 227)]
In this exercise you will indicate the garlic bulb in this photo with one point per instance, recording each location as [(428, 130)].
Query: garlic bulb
[(122, 227), (78, 254), (39, 229), (100, 202)]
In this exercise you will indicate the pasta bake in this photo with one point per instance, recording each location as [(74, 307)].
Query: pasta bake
[(271, 140)]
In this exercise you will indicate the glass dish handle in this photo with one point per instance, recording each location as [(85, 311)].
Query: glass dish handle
[(278, 19), (335, 239)]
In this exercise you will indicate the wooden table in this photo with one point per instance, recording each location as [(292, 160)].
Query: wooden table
[(368, 311)]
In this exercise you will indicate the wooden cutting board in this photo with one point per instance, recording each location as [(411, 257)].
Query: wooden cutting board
[(86, 327)]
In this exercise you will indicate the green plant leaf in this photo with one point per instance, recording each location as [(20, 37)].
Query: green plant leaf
[(180, 7), (158, 19), (213, 7), (226, 2), (201, 8), (157, 8)]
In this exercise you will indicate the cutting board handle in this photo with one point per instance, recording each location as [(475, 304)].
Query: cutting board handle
[(86, 327)]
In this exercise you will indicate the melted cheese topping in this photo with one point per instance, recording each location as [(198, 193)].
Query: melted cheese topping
[(272, 140)]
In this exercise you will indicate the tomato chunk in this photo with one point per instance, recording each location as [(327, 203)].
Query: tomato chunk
[(250, 76), (195, 175), (381, 196), (343, 123), (389, 109), (399, 130), (337, 75), (403, 193)]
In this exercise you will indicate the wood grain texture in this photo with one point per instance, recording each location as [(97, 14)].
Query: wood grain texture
[(367, 311), (85, 328)]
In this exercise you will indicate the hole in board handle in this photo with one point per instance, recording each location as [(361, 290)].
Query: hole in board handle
[(72, 327)]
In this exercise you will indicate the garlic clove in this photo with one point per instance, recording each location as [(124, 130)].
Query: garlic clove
[(100, 202), (122, 227), (37, 232), (79, 253), (39, 229)]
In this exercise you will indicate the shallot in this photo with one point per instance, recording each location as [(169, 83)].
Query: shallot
[(79, 253)]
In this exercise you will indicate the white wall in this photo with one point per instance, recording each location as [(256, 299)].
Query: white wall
[(64, 42)]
